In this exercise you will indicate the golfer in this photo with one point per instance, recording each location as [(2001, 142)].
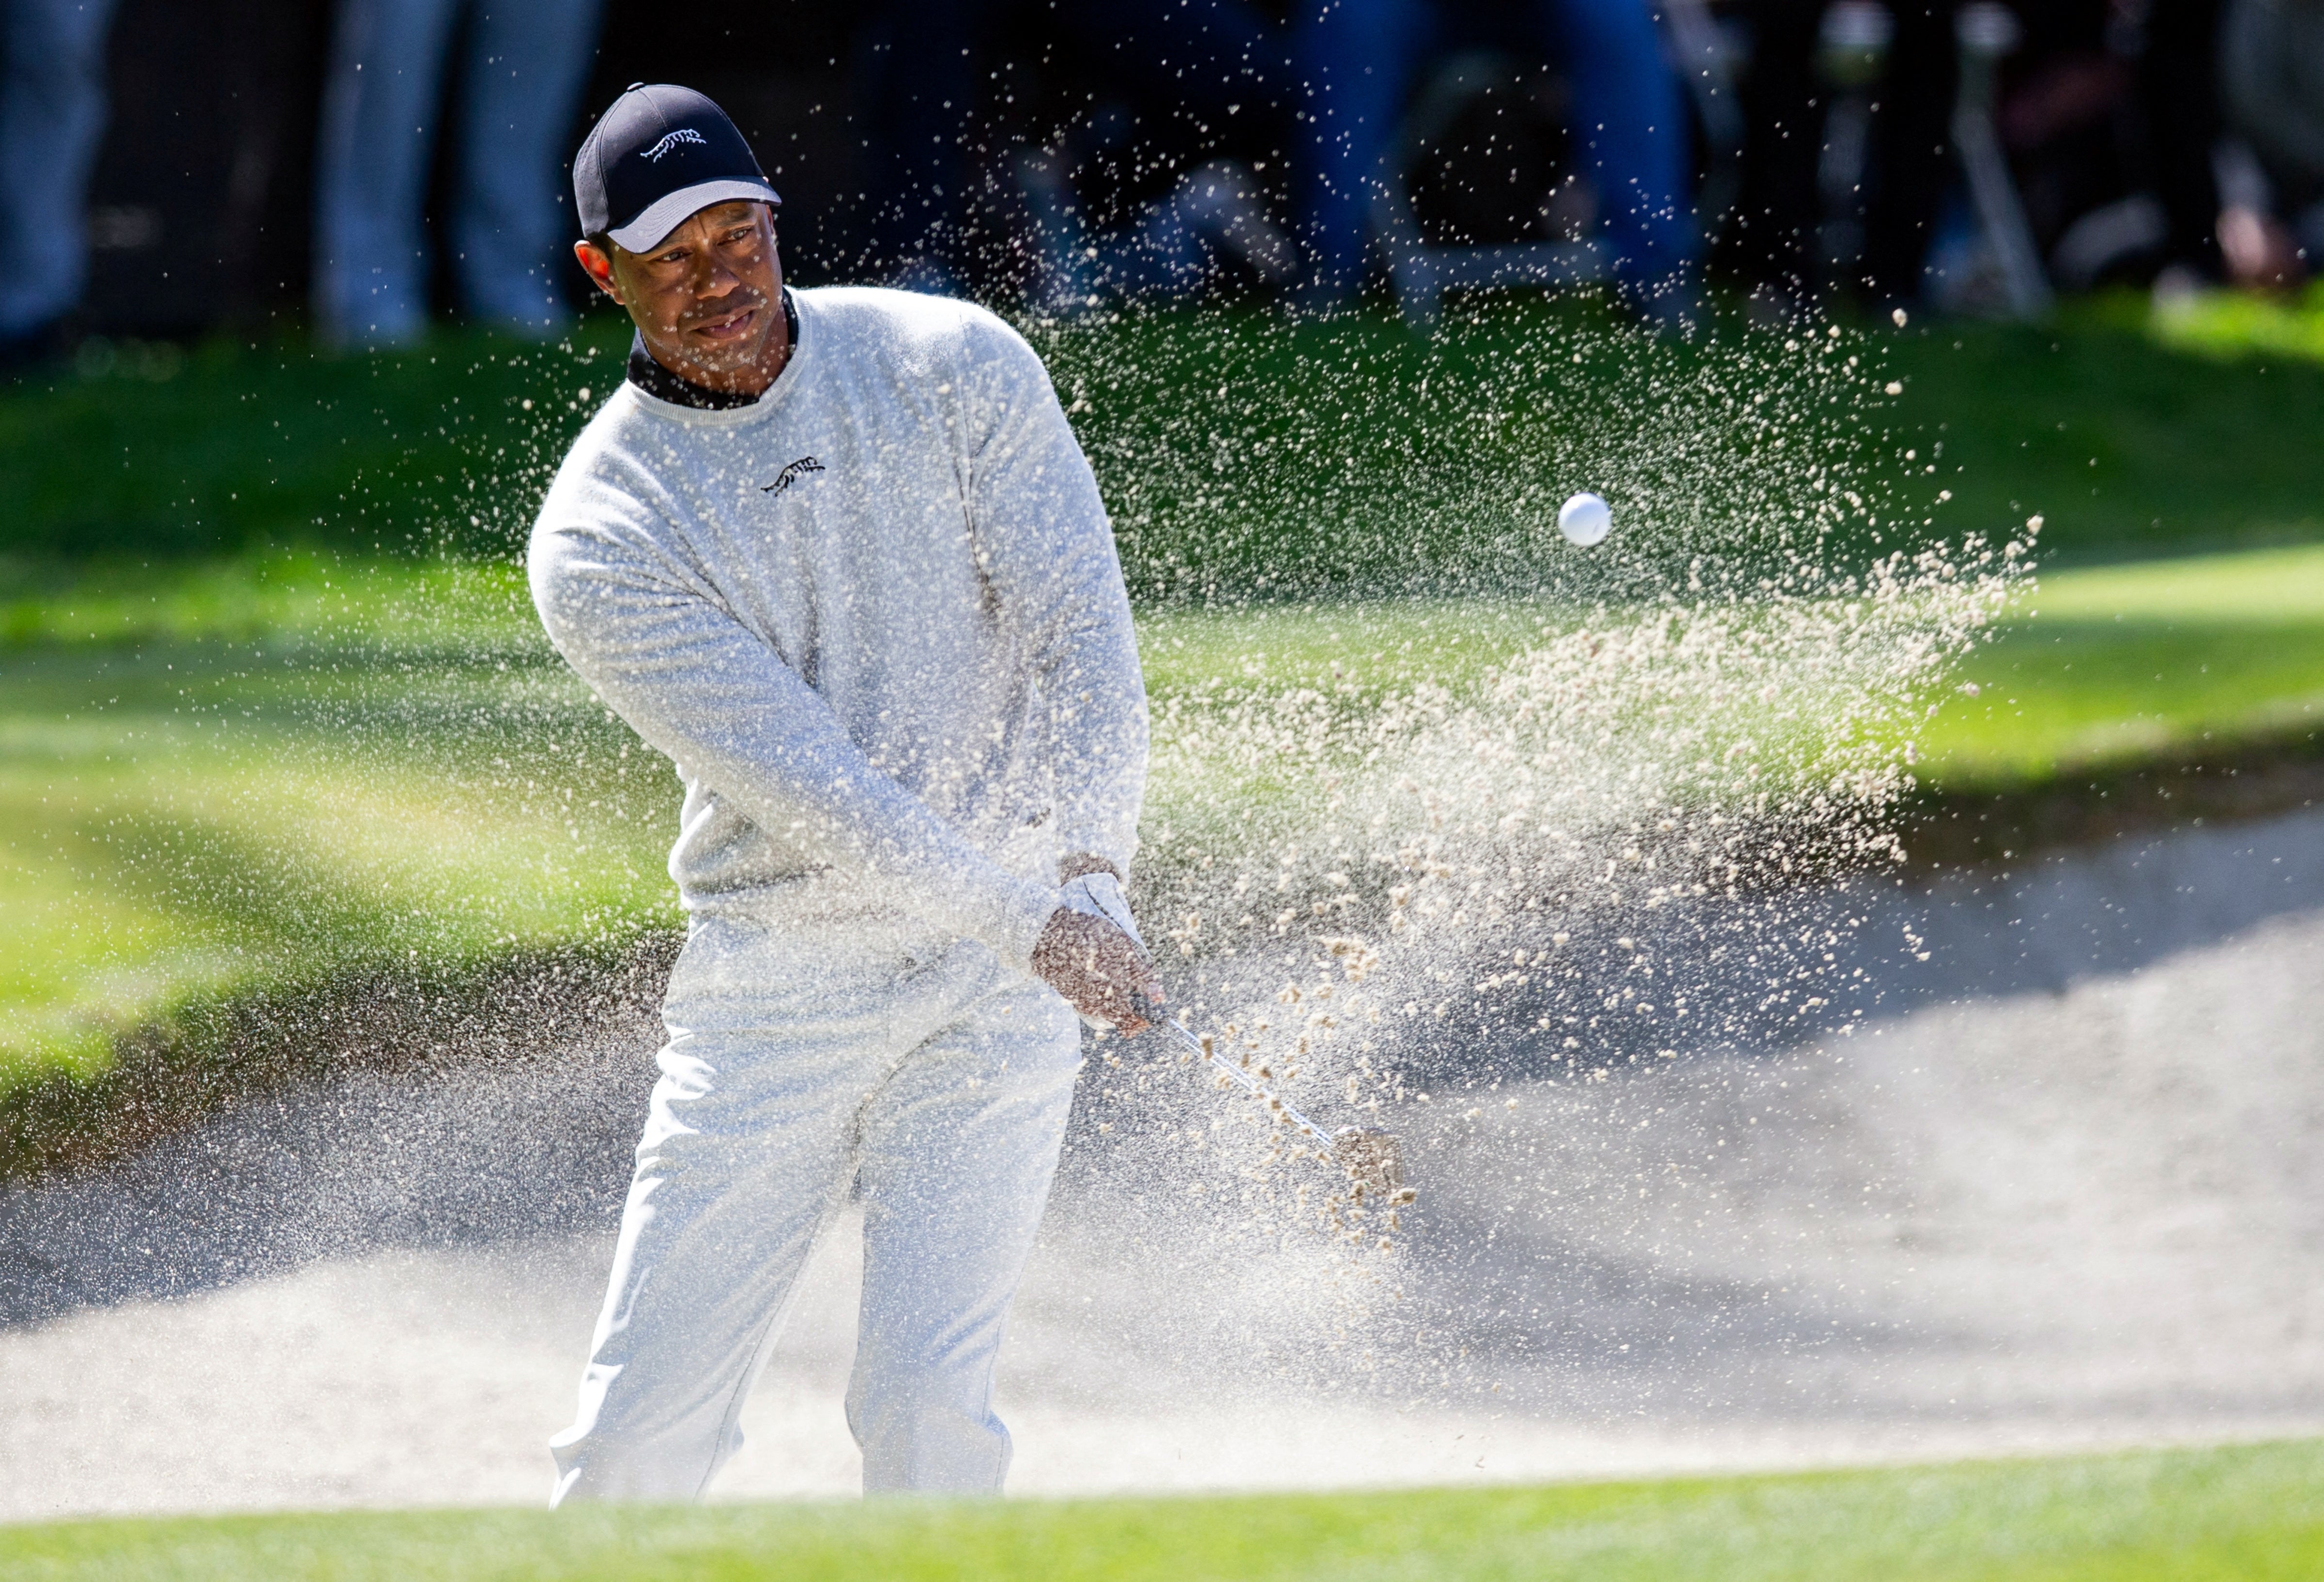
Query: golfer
[(836, 553)]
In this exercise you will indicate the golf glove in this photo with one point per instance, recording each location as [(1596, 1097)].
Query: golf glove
[(1099, 894)]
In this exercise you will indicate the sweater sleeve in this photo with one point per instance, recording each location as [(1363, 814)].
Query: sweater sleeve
[(1046, 548), (663, 652)]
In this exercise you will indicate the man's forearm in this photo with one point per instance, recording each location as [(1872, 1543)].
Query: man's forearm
[(711, 695)]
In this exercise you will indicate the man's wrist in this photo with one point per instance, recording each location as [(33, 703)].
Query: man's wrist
[(1083, 862), (1018, 927)]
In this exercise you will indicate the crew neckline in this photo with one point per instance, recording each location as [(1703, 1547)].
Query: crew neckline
[(650, 378)]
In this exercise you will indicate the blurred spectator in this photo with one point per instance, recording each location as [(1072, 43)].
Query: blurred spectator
[(523, 67), (1848, 151), (2110, 121), (1770, 245), (926, 65), (2272, 84), (1213, 223), (1912, 150), (51, 116), (2177, 45), (1357, 60), (2107, 116)]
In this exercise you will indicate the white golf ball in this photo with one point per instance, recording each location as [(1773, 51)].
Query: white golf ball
[(1584, 519)]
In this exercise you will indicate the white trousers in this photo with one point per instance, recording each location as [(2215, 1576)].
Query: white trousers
[(934, 1087)]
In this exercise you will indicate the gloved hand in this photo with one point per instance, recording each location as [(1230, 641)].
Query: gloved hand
[(1099, 894), (1091, 954)]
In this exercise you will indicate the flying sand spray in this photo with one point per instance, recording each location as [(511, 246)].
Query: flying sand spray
[(1371, 1157), (1374, 1164)]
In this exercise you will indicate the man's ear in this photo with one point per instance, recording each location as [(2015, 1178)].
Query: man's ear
[(599, 267)]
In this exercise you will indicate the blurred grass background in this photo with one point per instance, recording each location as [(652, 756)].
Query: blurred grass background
[(1232, 446), (274, 708)]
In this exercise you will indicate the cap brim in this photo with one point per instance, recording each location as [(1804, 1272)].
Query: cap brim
[(666, 213)]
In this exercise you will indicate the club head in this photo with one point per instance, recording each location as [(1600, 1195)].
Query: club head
[(1371, 1159)]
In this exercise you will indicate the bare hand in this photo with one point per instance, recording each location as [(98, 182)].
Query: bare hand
[(1098, 968)]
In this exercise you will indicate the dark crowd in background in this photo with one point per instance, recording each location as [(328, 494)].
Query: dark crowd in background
[(171, 167)]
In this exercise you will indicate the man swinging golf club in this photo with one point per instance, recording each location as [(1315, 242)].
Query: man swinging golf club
[(837, 554)]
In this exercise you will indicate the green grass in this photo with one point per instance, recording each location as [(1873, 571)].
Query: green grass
[(241, 444), (2162, 661), (2232, 324), (2099, 665), (282, 771), (1238, 455), (2134, 435), (2249, 1513)]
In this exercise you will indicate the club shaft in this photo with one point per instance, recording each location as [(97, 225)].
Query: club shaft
[(1255, 1088)]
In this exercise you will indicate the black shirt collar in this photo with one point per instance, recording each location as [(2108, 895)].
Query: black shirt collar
[(661, 384)]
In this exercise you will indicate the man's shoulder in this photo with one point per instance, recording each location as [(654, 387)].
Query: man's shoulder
[(608, 471), (880, 316), (611, 434)]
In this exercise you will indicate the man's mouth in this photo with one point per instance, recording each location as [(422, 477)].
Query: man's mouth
[(727, 327)]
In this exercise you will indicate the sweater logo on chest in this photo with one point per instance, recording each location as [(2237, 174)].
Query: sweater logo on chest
[(791, 474)]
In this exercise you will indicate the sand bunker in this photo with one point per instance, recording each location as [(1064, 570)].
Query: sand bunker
[(2086, 1207)]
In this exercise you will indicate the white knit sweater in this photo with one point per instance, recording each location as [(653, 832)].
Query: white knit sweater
[(876, 619)]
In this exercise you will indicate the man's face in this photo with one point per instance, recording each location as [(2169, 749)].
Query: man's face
[(708, 298)]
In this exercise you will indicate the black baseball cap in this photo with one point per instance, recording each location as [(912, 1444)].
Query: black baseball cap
[(659, 155)]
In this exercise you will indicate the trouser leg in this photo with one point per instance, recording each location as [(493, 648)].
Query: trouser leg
[(1213, 57), (1914, 147), (2179, 91), (1773, 239), (918, 68), (529, 62), (1357, 58), (957, 1155), (51, 117), (380, 114), (1631, 123), (747, 1152)]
